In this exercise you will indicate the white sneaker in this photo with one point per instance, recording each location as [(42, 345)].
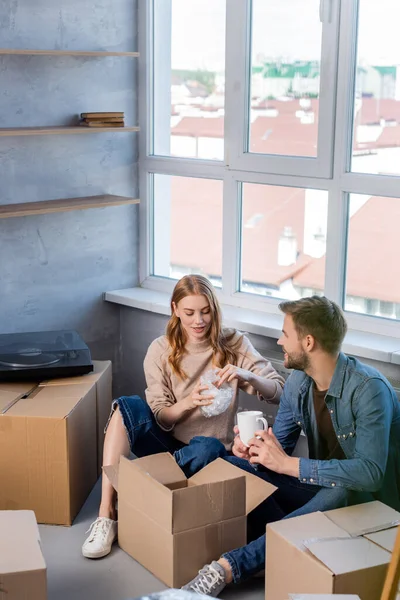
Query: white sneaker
[(103, 533)]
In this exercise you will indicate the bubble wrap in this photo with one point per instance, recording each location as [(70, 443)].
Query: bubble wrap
[(222, 396)]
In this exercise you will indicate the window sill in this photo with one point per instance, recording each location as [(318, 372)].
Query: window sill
[(358, 343)]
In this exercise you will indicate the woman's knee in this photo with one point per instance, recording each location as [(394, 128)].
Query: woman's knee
[(210, 446)]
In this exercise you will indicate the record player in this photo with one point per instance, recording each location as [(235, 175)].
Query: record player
[(43, 355)]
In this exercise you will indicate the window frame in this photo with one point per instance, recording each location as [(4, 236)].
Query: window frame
[(333, 173)]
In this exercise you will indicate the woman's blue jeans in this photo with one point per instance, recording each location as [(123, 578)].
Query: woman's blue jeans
[(146, 437)]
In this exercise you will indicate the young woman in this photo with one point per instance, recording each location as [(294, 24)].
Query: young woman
[(171, 419)]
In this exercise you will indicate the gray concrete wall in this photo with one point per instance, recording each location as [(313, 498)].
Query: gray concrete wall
[(54, 268)]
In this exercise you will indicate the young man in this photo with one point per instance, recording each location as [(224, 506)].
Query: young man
[(351, 418)]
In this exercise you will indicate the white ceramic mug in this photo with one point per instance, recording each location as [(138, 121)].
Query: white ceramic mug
[(250, 421)]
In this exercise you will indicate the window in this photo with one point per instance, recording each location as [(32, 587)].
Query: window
[(285, 78), (187, 227), (376, 139), (270, 156), (283, 240), (189, 78), (372, 281)]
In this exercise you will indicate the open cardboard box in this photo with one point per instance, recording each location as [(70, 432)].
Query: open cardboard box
[(22, 566), (51, 443), (173, 525), (342, 551)]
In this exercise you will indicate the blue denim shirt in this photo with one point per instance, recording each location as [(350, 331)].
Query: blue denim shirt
[(365, 415)]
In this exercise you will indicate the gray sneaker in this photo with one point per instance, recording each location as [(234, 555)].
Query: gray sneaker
[(210, 581)]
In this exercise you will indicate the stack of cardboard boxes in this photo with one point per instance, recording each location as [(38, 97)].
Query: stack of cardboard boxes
[(51, 443)]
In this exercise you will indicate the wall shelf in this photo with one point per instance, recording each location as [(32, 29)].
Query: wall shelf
[(14, 131), (64, 205), (67, 53)]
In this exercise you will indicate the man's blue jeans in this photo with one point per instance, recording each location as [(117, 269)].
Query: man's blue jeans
[(146, 437), (291, 499)]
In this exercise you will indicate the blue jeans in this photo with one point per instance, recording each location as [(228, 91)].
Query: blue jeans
[(291, 499), (146, 437)]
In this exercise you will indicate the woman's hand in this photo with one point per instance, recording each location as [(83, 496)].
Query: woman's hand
[(238, 448), (196, 399), (231, 372)]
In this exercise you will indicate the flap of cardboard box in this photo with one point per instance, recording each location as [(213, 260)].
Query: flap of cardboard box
[(309, 527), (163, 468), (208, 503), (55, 401), (11, 392), (385, 538), (139, 489), (361, 519), (19, 542), (257, 490), (112, 473), (345, 555)]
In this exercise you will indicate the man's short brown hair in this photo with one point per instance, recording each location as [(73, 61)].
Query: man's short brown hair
[(319, 317)]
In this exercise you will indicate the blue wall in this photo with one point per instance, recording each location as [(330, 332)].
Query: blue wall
[(54, 268)]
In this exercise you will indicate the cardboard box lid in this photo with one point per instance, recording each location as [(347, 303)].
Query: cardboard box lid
[(53, 402), (18, 388), (361, 519), (345, 555), (19, 542), (385, 538), (311, 527), (161, 467), (257, 490), (11, 392), (99, 367)]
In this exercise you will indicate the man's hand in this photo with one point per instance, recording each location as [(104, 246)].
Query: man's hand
[(238, 448), (231, 372), (266, 450)]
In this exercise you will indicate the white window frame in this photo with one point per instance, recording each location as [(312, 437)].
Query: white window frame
[(238, 85), (330, 171)]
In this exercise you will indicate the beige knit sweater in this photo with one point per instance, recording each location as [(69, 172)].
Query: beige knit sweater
[(164, 388)]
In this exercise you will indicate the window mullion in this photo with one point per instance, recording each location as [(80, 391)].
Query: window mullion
[(336, 243), (231, 236), (236, 59)]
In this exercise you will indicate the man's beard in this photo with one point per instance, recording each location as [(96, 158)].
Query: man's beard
[(299, 361)]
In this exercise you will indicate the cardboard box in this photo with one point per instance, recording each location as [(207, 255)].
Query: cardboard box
[(51, 439), (343, 551), (22, 566), (101, 378), (173, 525)]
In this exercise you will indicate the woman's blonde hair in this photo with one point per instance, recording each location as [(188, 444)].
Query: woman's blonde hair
[(224, 351)]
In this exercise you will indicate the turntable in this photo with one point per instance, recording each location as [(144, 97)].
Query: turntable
[(43, 355)]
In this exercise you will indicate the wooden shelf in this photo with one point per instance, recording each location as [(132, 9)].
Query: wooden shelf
[(13, 131), (67, 53), (63, 205)]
